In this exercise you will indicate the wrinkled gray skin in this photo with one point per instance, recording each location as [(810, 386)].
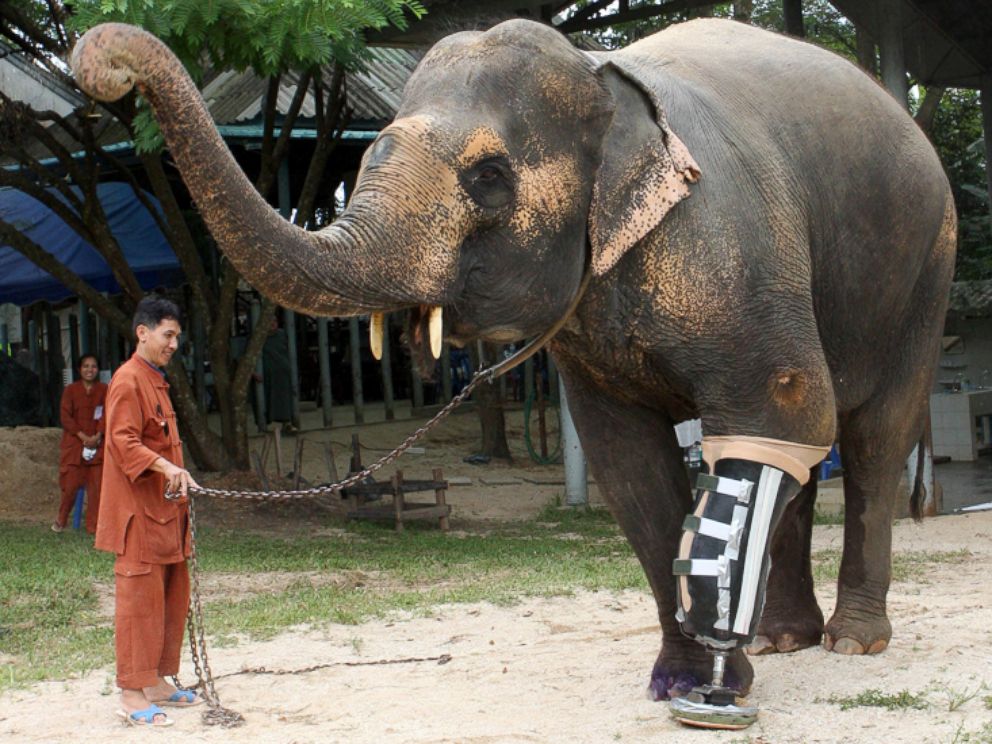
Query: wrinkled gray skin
[(796, 293)]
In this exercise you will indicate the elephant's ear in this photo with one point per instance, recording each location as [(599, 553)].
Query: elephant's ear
[(645, 171)]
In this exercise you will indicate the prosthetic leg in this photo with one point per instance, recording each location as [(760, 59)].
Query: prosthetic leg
[(723, 559)]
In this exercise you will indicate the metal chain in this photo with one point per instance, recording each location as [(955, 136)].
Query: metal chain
[(441, 660), (485, 375), (217, 714)]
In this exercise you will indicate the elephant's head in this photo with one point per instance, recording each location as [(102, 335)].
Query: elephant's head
[(510, 148)]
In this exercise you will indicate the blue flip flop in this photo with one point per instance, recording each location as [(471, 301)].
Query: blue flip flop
[(181, 699), (146, 717)]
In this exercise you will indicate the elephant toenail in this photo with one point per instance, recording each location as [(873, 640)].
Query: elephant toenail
[(848, 647)]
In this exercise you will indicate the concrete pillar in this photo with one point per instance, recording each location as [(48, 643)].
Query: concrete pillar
[(891, 51), (324, 359), (576, 490), (357, 396), (256, 311)]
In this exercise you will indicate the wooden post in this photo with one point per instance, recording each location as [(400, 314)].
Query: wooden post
[(332, 469), (892, 53), (388, 401), (357, 398), (256, 311), (73, 346), (528, 378), (397, 482), (553, 382), (199, 357), (417, 387), (792, 10), (277, 441), (440, 497), (987, 129), (289, 325), (85, 346), (298, 463), (446, 391), (356, 454), (324, 359)]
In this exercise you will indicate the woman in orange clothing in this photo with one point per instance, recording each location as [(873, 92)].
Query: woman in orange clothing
[(81, 449), (148, 533)]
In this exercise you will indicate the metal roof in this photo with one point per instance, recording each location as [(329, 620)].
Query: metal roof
[(374, 92), (946, 42)]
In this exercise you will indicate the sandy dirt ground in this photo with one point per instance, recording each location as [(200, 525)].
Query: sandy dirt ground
[(546, 670)]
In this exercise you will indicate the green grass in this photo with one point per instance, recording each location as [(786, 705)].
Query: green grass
[(52, 627), (903, 700), (906, 566)]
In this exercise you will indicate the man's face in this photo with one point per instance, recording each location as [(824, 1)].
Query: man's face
[(158, 344), (89, 369)]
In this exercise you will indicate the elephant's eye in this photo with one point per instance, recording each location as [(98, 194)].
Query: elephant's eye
[(489, 182)]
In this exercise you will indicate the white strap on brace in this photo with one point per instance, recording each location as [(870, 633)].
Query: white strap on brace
[(738, 489)]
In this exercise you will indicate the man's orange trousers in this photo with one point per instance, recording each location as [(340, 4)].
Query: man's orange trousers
[(150, 617)]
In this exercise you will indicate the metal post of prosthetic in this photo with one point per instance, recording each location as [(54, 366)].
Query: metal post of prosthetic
[(723, 559)]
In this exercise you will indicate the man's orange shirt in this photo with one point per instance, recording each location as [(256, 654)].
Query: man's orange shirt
[(79, 411), (136, 521)]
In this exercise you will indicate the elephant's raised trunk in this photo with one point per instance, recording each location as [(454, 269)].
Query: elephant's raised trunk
[(319, 273)]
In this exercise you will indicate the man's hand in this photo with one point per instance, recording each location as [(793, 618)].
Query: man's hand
[(178, 479)]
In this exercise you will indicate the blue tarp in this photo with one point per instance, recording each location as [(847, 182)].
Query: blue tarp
[(146, 250)]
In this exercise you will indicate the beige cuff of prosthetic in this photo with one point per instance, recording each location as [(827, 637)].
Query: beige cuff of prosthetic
[(790, 457)]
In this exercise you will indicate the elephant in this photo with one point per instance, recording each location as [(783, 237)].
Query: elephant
[(766, 236)]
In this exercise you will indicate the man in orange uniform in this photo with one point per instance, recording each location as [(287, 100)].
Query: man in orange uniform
[(81, 449), (148, 533)]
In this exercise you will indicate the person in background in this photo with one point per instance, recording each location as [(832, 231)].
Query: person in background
[(148, 533), (81, 449)]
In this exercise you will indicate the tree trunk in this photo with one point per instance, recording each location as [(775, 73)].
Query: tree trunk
[(928, 108), (792, 10), (743, 10), (489, 404)]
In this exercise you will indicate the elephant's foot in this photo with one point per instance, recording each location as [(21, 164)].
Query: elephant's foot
[(857, 636), (675, 673), (782, 633)]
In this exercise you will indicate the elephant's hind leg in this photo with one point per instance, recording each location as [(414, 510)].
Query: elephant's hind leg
[(792, 619), (875, 441)]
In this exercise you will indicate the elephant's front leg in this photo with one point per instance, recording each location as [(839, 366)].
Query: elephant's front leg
[(638, 465)]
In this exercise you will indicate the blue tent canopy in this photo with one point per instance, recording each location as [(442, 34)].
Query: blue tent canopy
[(146, 250)]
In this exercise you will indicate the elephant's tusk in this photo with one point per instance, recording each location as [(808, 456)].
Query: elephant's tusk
[(436, 326), (376, 323)]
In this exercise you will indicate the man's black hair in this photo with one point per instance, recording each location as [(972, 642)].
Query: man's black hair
[(152, 310), (84, 357)]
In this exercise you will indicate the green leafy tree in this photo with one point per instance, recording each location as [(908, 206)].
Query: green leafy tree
[(315, 39)]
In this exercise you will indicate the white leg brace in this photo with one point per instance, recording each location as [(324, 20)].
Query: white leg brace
[(722, 565)]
